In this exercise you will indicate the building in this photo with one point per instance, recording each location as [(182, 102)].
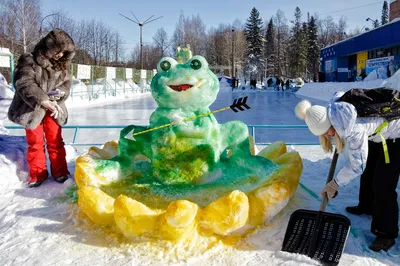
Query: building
[(349, 59)]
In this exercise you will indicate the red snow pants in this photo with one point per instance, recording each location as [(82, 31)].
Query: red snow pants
[(50, 131)]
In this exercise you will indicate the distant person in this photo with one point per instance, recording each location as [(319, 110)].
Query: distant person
[(366, 157), (278, 83), (392, 68), (269, 82), (287, 84), (253, 83), (363, 74), (42, 84)]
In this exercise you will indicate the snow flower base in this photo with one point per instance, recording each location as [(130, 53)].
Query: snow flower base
[(108, 197)]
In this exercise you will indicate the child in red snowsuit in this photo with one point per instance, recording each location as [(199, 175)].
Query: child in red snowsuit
[(42, 85)]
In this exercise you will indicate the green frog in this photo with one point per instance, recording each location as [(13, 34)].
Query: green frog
[(190, 148)]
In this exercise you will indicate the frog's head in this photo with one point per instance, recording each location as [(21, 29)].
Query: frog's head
[(189, 86)]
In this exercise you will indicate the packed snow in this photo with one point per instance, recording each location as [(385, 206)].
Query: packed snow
[(41, 226)]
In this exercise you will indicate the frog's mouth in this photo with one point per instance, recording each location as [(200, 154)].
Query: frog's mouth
[(180, 87)]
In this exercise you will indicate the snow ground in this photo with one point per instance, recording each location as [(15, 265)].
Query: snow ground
[(42, 227)]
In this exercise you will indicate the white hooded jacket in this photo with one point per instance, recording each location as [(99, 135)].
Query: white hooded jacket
[(355, 132)]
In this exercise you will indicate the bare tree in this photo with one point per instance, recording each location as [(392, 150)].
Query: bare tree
[(190, 31), (23, 21), (161, 42), (341, 29), (331, 32), (61, 20), (282, 36)]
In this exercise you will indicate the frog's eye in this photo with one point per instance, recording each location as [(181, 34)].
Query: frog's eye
[(195, 64), (165, 65)]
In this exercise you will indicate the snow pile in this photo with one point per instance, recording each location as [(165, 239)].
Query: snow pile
[(224, 86), (13, 164), (325, 91), (380, 73), (393, 82), (6, 96), (299, 82)]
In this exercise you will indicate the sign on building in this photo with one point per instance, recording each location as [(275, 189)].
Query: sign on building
[(111, 73), (83, 72), (128, 73), (376, 63)]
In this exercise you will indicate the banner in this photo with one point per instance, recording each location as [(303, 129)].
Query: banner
[(328, 66), (4, 61), (111, 73), (143, 74), (128, 73), (83, 72), (376, 63)]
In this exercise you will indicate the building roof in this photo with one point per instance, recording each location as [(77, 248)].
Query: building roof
[(380, 37)]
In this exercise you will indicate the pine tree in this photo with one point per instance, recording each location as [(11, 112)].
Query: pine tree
[(313, 49), (297, 46), (269, 51), (385, 13), (254, 39)]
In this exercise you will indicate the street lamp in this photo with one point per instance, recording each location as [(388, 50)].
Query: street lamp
[(41, 23), (141, 24), (375, 22)]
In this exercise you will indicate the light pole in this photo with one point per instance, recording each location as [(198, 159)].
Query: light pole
[(41, 23), (233, 53), (141, 24)]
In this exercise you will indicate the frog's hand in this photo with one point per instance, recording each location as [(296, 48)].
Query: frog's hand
[(235, 136), (131, 146)]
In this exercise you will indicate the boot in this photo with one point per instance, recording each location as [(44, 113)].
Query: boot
[(34, 184), (357, 210), (382, 243), (61, 179), (35, 181)]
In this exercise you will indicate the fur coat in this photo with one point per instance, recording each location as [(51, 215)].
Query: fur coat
[(37, 74)]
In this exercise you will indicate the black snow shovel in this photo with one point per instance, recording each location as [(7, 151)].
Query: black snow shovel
[(319, 235)]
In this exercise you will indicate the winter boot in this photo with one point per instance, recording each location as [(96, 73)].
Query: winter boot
[(357, 210), (35, 182), (61, 179), (382, 243)]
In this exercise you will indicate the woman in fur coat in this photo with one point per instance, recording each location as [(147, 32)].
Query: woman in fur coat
[(42, 84)]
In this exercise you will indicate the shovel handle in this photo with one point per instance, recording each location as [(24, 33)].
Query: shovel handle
[(325, 199)]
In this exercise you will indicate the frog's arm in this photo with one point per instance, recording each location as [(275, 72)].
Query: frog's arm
[(129, 148), (200, 127), (235, 136)]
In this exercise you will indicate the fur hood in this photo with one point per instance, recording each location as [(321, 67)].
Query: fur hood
[(55, 42)]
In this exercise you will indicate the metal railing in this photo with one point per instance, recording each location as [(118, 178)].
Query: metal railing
[(251, 127)]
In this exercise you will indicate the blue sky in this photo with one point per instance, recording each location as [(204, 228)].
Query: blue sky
[(212, 12)]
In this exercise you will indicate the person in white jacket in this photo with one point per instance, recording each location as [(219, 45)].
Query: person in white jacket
[(379, 170)]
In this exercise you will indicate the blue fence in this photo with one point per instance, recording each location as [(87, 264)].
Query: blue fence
[(252, 132)]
